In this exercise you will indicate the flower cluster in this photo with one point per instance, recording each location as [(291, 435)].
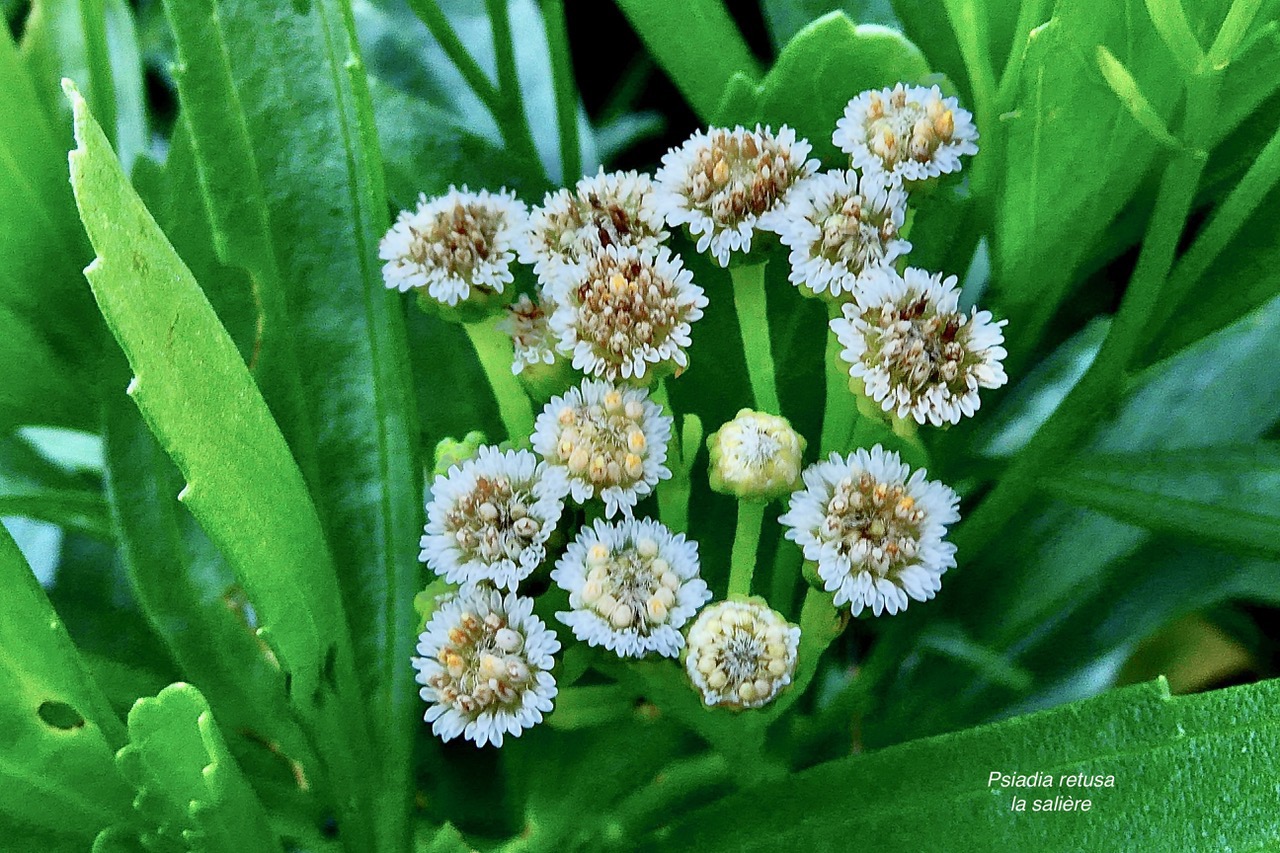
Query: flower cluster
[(599, 310)]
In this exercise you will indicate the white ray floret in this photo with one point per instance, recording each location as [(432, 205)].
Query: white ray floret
[(490, 517), (875, 529), (910, 132), (741, 654), (484, 663), (915, 352), (840, 228), (632, 585), (721, 181), (457, 247), (629, 311), (611, 442)]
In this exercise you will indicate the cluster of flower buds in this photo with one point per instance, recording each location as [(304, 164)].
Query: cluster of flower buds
[(608, 302)]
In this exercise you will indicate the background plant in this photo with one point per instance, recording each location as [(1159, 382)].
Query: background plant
[(1120, 502)]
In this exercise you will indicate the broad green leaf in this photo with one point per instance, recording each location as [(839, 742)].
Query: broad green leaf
[(785, 18), (1229, 497), (241, 483), (59, 731), (1171, 759), (33, 487), (189, 596), (824, 66), (697, 43), (236, 205), (189, 788), (929, 25), (314, 142)]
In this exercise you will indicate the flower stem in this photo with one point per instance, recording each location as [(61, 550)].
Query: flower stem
[(841, 410), (673, 493), (746, 541), (494, 350), (753, 321), (566, 90)]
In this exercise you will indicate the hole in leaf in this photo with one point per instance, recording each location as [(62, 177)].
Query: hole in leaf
[(60, 715)]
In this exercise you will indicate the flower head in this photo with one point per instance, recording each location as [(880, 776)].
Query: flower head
[(610, 441), (490, 517), (915, 351), (531, 339), (755, 456), (720, 182), (908, 131), (874, 529), (458, 247), (628, 310), (614, 209), (485, 667), (840, 228), (632, 586), (741, 654)]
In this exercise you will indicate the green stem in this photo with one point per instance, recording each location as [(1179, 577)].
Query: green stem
[(786, 568), (1227, 221), (673, 493), (753, 321), (566, 90), (511, 117), (841, 409), (746, 542), (430, 13), (1097, 389), (494, 350)]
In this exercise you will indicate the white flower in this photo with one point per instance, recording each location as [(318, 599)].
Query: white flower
[(489, 518), (612, 443), (614, 209), (632, 585), (458, 246), (910, 132), (628, 310), (874, 529), (915, 351), (485, 665), (531, 339), (755, 456), (840, 228), (720, 182), (741, 654)]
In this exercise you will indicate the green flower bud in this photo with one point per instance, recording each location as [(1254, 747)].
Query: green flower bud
[(451, 451), (755, 457)]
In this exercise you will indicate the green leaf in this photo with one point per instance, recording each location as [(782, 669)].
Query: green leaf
[(241, 483), (824, 66), (1170, 758), (42, 248), (59, 731), (785, 18), (1229, 497), (236, 205), (697, 43), (189, 788), (1052, 211), (33, 487), (313, 140), (189, 595)]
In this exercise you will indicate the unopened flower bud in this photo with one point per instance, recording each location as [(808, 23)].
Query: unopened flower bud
[(755, 457)]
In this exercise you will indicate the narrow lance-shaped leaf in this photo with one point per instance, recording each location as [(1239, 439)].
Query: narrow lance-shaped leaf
[(312, 136), (242, 484), (59, 730)]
